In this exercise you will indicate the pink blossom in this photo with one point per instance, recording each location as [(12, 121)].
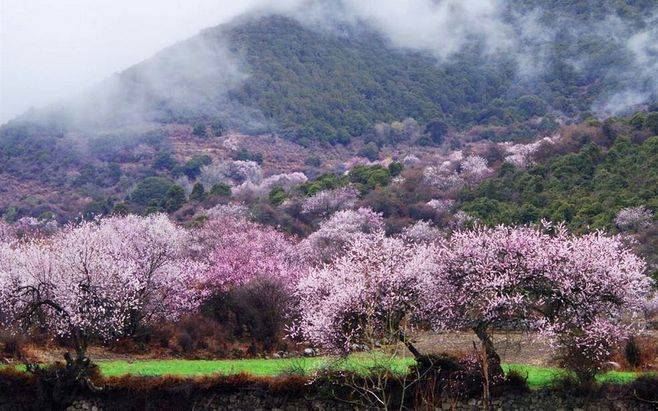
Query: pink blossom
[(7, 231), (233, 252), (228, 211), (329, 201), (577, 291), (249, 190), (442, 178), (474, 168), (421, 232), (441, 206), (410, 160), (97, 278), (32, 227), (633, 218), (231, 173), (335, 233), (357, 161), (374, 291)]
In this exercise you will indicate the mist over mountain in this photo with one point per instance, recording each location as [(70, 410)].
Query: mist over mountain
[(327, 77), (327, 70)]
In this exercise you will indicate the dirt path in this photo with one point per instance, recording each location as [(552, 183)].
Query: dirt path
[(513, 347)]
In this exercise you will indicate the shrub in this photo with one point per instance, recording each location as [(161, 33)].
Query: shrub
[(197, 332), (640, 352), (151, 189), (313, 161), (13, 345), (395, 169), (218, 128), (192, 167), (221, 189), (260, 309), (164, 161), (369, 151), (174, 199), (652, 123), (200, 130), (198, 193), (277, 196), (246, 155), (437, 130), (645, 388)]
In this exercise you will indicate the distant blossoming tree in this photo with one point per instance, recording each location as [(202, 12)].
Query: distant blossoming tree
[(232, 173), (234, 252), (222, 211), (593, 298), (461, 220), (441, 206), (442, 178), (329, 201), (474, 168), (410, 160), (335, 233), (249, 190), (421, 232), (633, 218)]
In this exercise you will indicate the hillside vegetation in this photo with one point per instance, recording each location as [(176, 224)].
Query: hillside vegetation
[(586, 189)]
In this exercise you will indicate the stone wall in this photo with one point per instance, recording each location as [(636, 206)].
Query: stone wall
[(536, 401)]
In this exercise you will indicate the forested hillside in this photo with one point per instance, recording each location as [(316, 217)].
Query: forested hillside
[(586, 189), (333, 91)]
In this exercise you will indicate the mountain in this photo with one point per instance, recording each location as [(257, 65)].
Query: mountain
[(302, 96)]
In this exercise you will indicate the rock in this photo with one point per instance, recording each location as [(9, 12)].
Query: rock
[(309, 352), (611, 365), (359, 347)]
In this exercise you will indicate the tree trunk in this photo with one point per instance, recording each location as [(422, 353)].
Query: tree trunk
[(495, 369), (409, 345)]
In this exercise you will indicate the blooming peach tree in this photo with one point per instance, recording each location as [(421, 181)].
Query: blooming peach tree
[(234, 252), (375, 291), (592, 299), (336, 232), (578, 291), (95, 280)]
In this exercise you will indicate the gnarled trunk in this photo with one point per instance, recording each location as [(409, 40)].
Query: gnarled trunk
[(62, 384), (495, 369), (409, 345)]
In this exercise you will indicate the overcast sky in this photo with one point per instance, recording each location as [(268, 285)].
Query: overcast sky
[(51, 49)]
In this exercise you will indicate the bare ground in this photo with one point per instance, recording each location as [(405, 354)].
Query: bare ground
[(513, 347)]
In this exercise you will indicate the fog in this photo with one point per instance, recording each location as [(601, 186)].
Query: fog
[(55, 50), (50, 50)]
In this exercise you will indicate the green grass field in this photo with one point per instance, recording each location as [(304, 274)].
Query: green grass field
[(544, 376), (258, 367), (537, 376)]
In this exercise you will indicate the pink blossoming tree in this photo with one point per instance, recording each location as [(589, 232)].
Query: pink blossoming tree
[(234, 252), (574, 290), (329, 201), (98, 280), (592, 298), (335, 233), (375, 291)]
